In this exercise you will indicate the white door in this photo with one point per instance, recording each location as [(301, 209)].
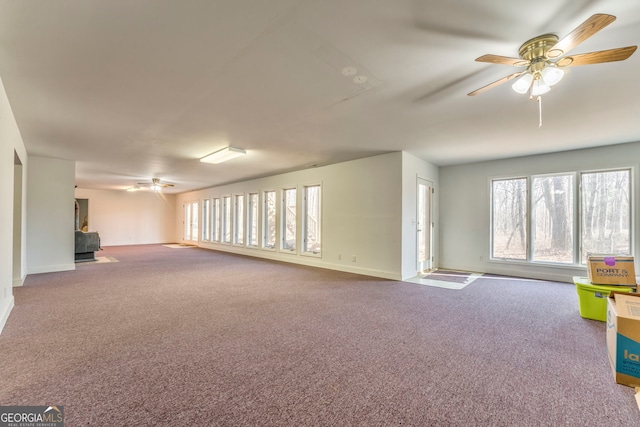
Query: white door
[(424, 225), (191, 221)]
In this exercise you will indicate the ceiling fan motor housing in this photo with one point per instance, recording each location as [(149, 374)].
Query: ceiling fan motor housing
[(535, 50)]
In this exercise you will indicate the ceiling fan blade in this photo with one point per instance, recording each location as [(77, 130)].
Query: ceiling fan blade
[(610, 55), (496, 83), (585, 30), (497, 59)]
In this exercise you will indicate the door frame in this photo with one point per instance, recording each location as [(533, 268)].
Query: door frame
[(424, 265)]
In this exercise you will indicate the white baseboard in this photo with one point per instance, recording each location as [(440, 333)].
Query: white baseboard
[(52, 268), (19, 281), (4, 315), (302, 260)]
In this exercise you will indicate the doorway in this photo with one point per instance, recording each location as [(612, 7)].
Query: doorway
[(82, 220), (191, 221), (424, 226), (17, 220)]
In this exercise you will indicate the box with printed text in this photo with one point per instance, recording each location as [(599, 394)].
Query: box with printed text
[(611, 270), (623, 337)]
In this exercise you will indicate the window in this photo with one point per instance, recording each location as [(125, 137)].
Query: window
[(215, 232), (288, 225), (547, 228), (509, 218), (226, 219), (312, 225), (238, 220), (191, 221), (252, 220), (269, 220), (553, 219), (206, 220), (606, 213)]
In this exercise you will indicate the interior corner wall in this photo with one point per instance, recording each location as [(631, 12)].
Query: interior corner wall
[(412, 169), (50, 214), (131, 218), (11, 145), (361, 214), (465, 220)]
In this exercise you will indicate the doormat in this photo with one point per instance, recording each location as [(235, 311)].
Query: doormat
[(179, 245), (447, 279), (100, 260)]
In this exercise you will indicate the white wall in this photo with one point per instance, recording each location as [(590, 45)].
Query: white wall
[(412, 169), (10, 145), (130, 218), (50, 214), (465, 210), (361, 214)]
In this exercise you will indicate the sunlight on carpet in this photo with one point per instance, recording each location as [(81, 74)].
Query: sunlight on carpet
[(446, 279), (179, 246)]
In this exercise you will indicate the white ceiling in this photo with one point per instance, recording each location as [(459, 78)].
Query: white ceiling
[(136, 89)]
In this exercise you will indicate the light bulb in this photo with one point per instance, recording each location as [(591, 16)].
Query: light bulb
[(539, 87), (522, 84), (552, 75)]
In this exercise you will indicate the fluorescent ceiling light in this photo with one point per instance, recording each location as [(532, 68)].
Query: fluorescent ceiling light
[(223, 155)]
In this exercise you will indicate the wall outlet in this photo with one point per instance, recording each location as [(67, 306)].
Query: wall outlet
[(481, 258), (339, 257), (353, 258)]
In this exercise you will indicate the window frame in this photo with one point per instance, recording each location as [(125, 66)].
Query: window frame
[(283, 220), (216, 223), (577, 238), (238, 218), (266, 214), (226, 226), (253, 220), (304, 250), (630, 170), (205, 233)]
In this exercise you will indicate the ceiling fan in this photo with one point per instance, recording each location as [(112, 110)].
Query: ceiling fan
[(545, 56), (156, 184)]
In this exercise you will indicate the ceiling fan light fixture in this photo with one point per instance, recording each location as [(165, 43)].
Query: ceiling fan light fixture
[(523, 84), (223, 155), (552, 75), (539, 87)]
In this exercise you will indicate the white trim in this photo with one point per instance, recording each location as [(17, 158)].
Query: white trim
[(5, 315), (52, 268)]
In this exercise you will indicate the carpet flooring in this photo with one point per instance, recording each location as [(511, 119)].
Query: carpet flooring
[(203, 338)]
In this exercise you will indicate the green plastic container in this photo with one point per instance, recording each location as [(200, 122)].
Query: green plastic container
[(593, 298)]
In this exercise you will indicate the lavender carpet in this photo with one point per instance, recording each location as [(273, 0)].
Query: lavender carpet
[(202, 338)]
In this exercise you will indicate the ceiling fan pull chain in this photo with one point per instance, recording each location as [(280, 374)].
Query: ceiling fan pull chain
[(539, 111)]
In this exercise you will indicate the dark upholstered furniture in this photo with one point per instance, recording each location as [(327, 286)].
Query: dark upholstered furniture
[(86, 245)]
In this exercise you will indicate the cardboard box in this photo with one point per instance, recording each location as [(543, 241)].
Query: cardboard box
[(623, 337), (611, 270)]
